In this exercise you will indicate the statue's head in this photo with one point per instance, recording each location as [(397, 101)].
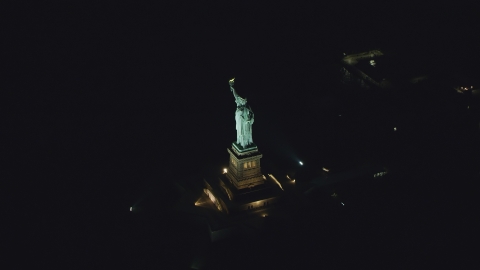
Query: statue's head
[(242, 101)]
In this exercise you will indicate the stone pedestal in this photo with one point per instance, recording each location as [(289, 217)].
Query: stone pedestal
[(244, 166)]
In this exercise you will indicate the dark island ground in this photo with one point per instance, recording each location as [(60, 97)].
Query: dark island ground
[(110, 105)]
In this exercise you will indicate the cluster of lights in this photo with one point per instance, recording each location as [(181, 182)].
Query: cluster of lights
[(379, 174), (462, 89)]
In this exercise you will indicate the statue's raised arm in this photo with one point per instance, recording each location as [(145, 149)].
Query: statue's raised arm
[(239, 100), (232, 82)]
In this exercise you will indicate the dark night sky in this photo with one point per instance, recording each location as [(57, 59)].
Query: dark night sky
[(103, 98)]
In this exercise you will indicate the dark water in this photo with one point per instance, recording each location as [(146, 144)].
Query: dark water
[(96, 166)]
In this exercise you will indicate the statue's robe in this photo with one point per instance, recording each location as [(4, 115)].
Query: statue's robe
[(240, 125), (244, 120), (247, 119)]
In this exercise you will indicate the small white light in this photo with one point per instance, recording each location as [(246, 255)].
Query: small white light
[(301, 163), (131, 209), (325, 169), (395, 128), (342, 204), (293, 180), (224, 170)]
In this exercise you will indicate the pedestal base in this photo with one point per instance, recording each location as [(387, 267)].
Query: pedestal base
[(244, 166)]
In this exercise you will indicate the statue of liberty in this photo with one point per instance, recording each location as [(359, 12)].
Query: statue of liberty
[(243, 117)]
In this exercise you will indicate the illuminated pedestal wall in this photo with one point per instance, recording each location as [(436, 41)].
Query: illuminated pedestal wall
[(243, 186), (244, 167)]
